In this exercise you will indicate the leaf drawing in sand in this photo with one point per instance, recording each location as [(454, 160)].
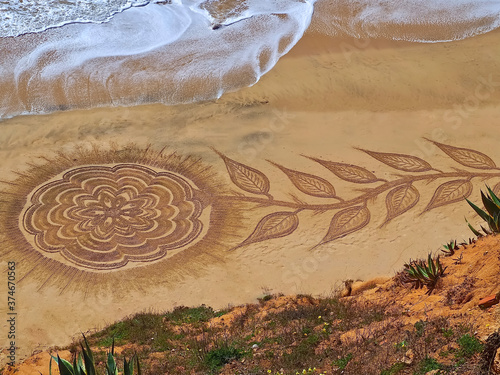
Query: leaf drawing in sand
[(402, 162), (309, 184), (399, 200), (496, 189), (465, 156), (348, 172), (275, 225), (246, 178), (450, 192), (345, 222)]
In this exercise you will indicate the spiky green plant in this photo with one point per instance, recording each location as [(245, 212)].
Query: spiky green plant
[(450, 247), (492, 214), (471, 241), (421, 273), (87, 365)]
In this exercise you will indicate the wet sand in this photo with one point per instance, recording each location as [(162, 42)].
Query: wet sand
[(326, 99)]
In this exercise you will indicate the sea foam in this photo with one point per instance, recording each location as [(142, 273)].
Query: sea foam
[(169, 53), (426, 21), (31, 16), (126, 52)]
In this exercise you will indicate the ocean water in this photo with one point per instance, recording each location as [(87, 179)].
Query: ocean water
[(60, 54)]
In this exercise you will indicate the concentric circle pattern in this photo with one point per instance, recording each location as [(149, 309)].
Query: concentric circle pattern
[(102, 217)]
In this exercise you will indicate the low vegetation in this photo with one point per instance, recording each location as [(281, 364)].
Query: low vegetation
[(491, 216), (286, 335), (87, 366), (422, 273)]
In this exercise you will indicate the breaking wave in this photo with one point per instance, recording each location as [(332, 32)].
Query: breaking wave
[(79, 54)]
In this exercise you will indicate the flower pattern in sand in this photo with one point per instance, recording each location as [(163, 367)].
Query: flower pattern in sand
[(102, 217)]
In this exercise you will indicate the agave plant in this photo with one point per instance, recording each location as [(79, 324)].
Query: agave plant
[(449, 248), (492, 214), (87, 365), (422, 273), (464, 243)]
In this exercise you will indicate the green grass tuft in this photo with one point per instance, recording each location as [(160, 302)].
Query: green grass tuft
[(218, 357), (469, 345), (426, 365), (394, 369), (182, 314), (343, 362)]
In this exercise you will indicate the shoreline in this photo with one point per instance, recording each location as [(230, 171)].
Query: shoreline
[(342, 80)]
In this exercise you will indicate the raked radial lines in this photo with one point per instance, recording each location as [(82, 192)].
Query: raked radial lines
[(121, 217)]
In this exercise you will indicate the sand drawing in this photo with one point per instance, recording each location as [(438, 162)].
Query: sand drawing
[(103, 217), (155, 215), (125, 217), (353, 214)]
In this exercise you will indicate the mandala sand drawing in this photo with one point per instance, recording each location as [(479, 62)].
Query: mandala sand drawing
[(105, 217), (120, 216), (114, 217)]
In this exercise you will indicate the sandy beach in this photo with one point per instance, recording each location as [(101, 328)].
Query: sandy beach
[(328, 99)]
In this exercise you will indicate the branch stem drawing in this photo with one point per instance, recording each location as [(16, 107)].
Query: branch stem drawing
[(406, 180), (354, 214)]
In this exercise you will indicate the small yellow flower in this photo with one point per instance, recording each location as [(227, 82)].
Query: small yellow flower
[(269, 371), (319, 317)]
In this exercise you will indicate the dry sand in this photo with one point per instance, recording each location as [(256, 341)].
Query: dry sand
[(323, 99)]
